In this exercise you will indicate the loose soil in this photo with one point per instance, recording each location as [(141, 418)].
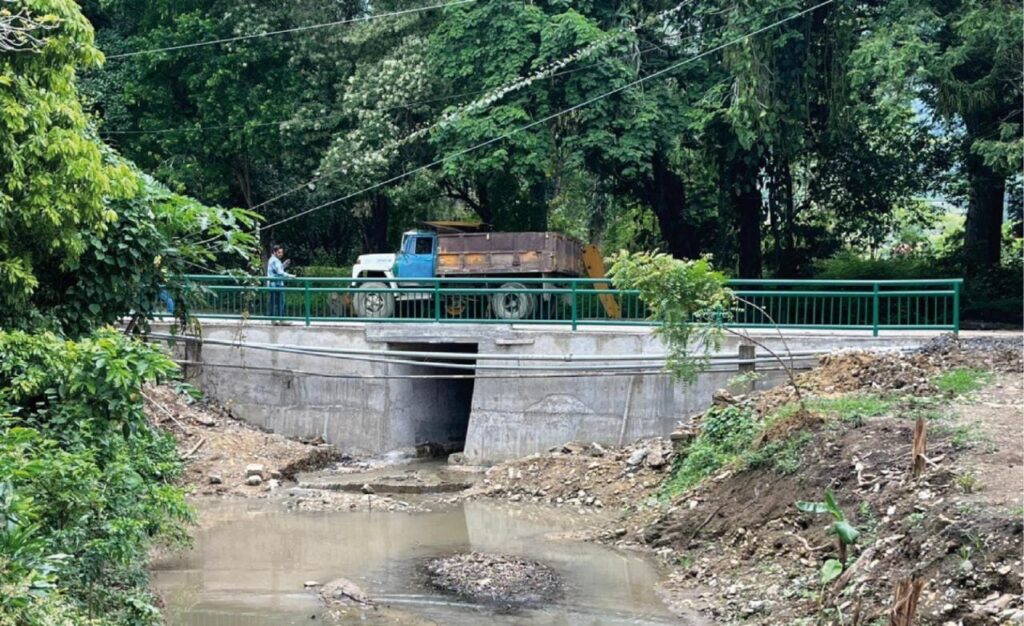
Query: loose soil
[(217, 448)]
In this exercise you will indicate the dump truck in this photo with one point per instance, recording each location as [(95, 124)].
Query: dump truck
[(467, 251)]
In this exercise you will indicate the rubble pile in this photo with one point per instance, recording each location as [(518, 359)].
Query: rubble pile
[(494, 578), (586, 476), (224, 456), (999, 353)]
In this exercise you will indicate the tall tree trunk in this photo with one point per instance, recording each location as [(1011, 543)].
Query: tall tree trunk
[(375, 232), (745, 196), (666, 195), (984, 226)]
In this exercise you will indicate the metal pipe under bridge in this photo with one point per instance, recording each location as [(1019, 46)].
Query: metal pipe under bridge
[(838, 305)]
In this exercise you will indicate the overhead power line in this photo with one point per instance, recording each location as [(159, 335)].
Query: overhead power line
[(286, 31), (545, 119), (303, 120)]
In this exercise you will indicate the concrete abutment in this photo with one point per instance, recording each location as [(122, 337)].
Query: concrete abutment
[(364, 405)]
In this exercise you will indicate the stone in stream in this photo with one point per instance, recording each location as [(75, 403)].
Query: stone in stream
[(343, 590)]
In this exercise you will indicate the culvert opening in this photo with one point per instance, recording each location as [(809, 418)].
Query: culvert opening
[(434, 411)]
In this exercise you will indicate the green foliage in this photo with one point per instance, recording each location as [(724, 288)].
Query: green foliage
[(846, 534), (851, 407), (323, 271), (53, 179), (725, 433), (830, 570), (84, 475), (962, 381), (685, 297)]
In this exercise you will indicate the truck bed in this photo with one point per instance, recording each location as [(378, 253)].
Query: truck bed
[(502, 253)]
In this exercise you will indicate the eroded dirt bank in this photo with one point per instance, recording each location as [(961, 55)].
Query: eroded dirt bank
[(740, 550)]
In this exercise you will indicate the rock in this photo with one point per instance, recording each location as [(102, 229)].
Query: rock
[(597, 449), (722, 398), (573, 448), (344, 590), (274, 484), (276, 475), (214, 479), (637, 457), (367, 489), (655, 459), (254, 469), (254, 480), (516, 498), (203, 420), (310, 583), (457, 458)]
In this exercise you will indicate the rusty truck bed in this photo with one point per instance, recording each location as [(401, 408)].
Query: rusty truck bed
[(481, 254)]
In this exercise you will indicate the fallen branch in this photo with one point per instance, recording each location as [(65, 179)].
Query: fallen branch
[(194, 449), (807, 544), (168, 413), (706, 521), (844, 579)]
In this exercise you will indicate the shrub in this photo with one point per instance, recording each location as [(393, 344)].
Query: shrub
[(83, 474)]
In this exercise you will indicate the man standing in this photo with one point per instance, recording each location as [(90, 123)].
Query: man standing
[(275, 274)]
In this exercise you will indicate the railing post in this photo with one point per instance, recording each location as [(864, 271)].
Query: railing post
[(308, 300), (574, 312), (437, 300), (874, 309), (956, 308)]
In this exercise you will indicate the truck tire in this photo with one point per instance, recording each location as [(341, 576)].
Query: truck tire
[(370, 304), (513, 306)]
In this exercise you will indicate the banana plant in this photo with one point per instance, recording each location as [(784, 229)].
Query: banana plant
[(846, 534)]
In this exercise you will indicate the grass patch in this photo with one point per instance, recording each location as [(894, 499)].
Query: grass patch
[(962, 381), (962, 436), (851, 408)]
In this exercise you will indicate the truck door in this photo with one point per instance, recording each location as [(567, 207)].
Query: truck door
[(416, 259)]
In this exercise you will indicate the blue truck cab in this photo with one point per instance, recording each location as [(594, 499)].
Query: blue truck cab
[(417, 257)]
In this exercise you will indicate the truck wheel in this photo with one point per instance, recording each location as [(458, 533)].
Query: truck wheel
[(456, 306), (370, 304), (513, 306)]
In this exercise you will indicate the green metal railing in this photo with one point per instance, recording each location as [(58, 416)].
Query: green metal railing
[(811, 304)]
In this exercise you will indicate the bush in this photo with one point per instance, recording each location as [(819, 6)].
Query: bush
[(82, 473), (992, 295), (323, 271)]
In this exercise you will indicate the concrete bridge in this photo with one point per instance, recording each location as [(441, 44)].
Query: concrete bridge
[(495, 391)]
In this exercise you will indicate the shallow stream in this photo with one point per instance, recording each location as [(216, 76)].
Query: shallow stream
[(251, 557)]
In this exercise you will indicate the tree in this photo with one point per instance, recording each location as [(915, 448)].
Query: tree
[(53, 178), (963, 62)]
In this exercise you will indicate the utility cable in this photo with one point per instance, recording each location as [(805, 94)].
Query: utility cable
[(295, 372), (285, 31), (466, 356), (306, 120), (544, 119), (383, 359)]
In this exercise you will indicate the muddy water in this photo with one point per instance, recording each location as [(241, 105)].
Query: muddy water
[(250, 560)]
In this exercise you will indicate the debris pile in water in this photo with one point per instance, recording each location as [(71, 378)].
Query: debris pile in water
[(494, 578)]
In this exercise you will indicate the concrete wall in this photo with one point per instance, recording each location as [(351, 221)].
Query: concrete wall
[(355, 405)]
